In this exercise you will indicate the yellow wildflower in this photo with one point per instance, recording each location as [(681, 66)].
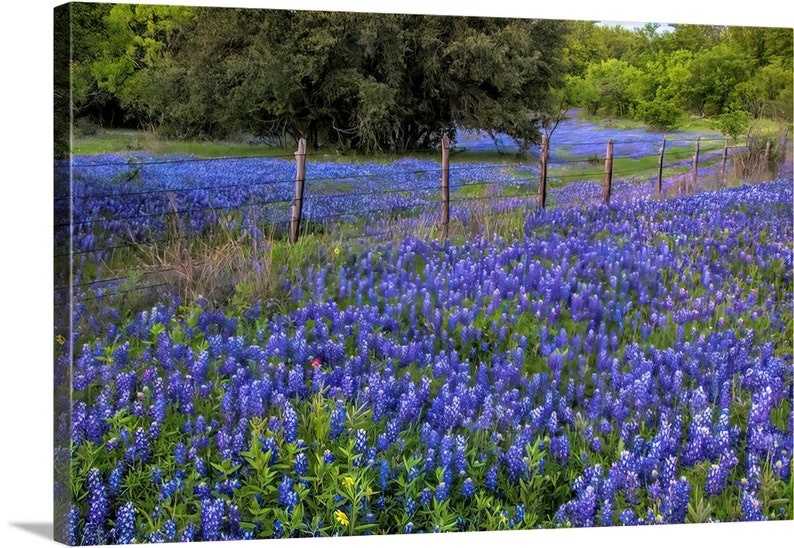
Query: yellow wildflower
[(347, 480), (337, 251), (60, 339), (341, 517)]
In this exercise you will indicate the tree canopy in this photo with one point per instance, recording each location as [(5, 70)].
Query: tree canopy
[(398, 82)]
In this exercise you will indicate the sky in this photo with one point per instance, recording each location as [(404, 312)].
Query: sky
[(663, 27)]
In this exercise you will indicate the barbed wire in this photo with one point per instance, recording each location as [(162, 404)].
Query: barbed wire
[(120, 292), (501, 202)]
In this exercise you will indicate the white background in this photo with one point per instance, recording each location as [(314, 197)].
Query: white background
[(26, 266)]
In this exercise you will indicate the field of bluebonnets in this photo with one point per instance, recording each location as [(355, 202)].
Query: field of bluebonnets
[(574, 367)]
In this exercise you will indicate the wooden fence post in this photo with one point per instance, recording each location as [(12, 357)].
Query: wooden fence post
[(695, 164), (297, 202), (544, 162), (444, 184), (608, 174), (661, 164), (766, 154), (724, 159)]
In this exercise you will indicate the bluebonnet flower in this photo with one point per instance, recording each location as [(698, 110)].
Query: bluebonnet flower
[(169, 530), (360, 446), (459, 455), (718, 474), (338, 420), (513, 461), (519, 513), (491, 478), (212, 512), (752, 509), (290, 425), (74, 526), (468, 488), (269, 444), (141, 445), (584, 510), (115, 478), (156, 476), (180, 454), (442, 491), (278, 529), (628, 517), (121, 355), (124, 531), (170, 487), (674, 508), (301, 464), (98, 507), (202, 491), (286, 494), (385, 473)]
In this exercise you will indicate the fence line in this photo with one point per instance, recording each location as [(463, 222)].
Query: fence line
[(300, 198)]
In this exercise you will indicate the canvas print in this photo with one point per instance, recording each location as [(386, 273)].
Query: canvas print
[(324, 273)]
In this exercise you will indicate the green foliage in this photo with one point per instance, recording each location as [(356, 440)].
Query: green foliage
[(396, 82), (582, 92), (733, 123), (359, 81), (616, 82), (768, 93), (714, 76), (660, 115)]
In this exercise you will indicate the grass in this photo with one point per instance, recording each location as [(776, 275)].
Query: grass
[(121, 141), (124, 141)]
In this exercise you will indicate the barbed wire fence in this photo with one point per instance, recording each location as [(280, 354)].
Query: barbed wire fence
[(98, 229)]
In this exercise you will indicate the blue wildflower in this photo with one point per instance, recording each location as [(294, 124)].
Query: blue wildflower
[(468, 488)]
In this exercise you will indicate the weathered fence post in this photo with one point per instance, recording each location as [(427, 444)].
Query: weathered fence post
[(695, 164), (766, 155), (608, 174), (661, 164), (444, 185), (297, 202), (724, 159), (544, 162)]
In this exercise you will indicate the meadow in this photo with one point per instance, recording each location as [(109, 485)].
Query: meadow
[(578, 366)]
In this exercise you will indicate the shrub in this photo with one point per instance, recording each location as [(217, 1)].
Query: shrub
[(660, 115), (733, 123)]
